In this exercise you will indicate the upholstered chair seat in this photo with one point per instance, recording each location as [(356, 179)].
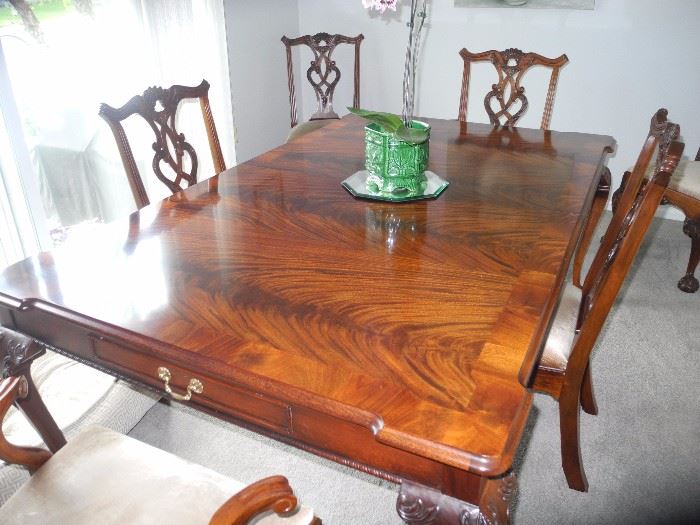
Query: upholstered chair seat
[(102, 476), (78, 396), (105, 477), (687, 180)]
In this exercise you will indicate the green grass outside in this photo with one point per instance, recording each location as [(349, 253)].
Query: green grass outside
[(44, 10)]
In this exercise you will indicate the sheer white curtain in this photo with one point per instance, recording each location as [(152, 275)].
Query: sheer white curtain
[(13, 245), (119, 50), (19, 234), (191, 32)]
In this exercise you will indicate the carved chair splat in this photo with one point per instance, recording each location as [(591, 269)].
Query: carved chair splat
[(564, 369), (508, 94), (323, 74), (170, 146), (683, 193)]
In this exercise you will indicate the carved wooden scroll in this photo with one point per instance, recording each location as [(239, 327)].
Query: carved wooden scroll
[(16, 351), (636, 207), (420, 505), (323, 74), (661, 133), (506, 102), (173, 154)]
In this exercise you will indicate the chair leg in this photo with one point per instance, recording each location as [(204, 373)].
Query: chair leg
[(588, 402), (599, 202), (570, 444), (689, 283)]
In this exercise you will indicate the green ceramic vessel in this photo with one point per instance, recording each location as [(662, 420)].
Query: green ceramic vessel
[(394, 166)]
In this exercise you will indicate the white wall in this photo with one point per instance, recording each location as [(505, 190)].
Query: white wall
[(627, 59), (258, 69)]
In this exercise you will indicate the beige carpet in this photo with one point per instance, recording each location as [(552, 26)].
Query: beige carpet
[(641, 453)]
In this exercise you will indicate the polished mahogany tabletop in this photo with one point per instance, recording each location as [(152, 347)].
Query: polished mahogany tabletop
[(420, 321)]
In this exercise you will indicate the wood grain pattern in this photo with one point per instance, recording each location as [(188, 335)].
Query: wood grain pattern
[(409, 357)]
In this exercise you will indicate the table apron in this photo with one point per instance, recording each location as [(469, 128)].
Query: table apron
[(306, 428)]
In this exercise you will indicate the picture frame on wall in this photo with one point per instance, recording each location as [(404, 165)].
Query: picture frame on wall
[(534, 4)]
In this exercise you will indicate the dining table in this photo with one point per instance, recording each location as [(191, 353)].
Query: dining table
[(397, 338)]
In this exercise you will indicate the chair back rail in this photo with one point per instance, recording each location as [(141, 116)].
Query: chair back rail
[(170, 146), (619, 248), (662, 133), (620, 244), (323, 74), (680, 195), (508, 93)]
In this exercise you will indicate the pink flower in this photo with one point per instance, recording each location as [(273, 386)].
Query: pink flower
[(380, 5)]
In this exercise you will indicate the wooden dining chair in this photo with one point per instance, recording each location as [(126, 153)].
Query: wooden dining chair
[(158, 107), (564, 370), (101, 476), (684, 193), (323, 74), (506, 102)]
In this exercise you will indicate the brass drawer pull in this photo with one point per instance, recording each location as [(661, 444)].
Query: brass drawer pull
[(195, 385)]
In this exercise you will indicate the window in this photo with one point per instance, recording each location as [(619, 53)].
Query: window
[(60, 166)]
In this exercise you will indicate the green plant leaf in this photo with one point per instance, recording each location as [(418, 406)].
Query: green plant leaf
[(411, 135), (393, 124), (387, 121)]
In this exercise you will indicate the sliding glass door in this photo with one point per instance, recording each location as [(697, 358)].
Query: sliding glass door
[(59, 164)]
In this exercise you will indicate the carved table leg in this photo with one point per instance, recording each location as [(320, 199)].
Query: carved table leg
[(421, 505), (689, 283)]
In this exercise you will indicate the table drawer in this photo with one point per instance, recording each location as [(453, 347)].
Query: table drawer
[(230, 399)]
